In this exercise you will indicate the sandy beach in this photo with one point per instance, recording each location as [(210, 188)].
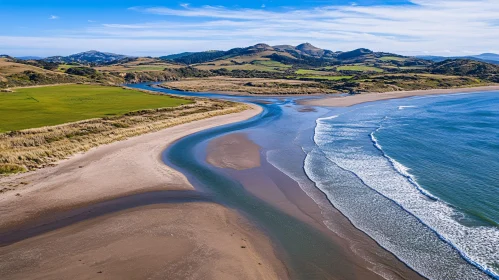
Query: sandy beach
[(190, 240), (345, 101)]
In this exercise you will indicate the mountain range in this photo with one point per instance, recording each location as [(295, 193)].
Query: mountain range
[(358, 70), (306, 53), (301, 55)]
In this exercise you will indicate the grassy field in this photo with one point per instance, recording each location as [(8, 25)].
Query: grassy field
[(330, 78), (392, 58), (64, 67), (137, 68), (270, 63), (360, 68), (259, 65), (52, 105), (311, 72)]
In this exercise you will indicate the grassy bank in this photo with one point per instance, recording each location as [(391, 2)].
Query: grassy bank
[(124, 113), (45, 106)]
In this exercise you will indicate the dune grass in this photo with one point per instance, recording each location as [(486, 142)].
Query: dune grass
[(46, 106), (6, 169)]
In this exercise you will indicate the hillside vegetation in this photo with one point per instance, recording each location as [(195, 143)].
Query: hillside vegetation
[(466, 67), (356, 71)]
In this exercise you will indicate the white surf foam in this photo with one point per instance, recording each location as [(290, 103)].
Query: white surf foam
[(405, 107), (339, 142)]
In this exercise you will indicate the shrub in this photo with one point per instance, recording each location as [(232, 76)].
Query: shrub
[(11, 169)]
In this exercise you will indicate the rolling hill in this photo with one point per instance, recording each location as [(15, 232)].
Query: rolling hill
[(303, 55), (359, 70), (484, 57), (87, 57), (466, 67)]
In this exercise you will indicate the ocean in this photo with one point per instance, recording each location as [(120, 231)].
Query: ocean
[(414, 172)]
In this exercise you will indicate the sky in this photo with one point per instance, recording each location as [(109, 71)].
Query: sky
[(155, 28)]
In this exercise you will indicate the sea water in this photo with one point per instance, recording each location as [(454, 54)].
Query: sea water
[(420, 176)]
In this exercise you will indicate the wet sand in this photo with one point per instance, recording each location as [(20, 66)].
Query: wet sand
[(345, 101), (166, 241), (234, 151), (52, 226), (356, 249)]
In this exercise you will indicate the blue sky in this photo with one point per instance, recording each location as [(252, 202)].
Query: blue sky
[(415, 27)]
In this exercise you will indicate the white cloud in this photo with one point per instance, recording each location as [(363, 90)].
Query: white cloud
[(448, 27), (52, 17)]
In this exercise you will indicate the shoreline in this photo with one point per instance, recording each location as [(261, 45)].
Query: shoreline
[(360, 252), (210, 240), (347, 101)]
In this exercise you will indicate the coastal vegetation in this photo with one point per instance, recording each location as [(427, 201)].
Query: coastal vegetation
[(54, 122), (248, 85)]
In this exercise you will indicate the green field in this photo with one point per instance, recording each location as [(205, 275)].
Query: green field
[(64, 67), (147, 68), (271, 63), (392, 58), (52, 105), (311, 72), (331, 78), (360, 68), (250, 67)]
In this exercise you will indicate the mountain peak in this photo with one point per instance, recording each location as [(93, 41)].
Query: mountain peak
[(261, 46), (306, 46), (310, 49)]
